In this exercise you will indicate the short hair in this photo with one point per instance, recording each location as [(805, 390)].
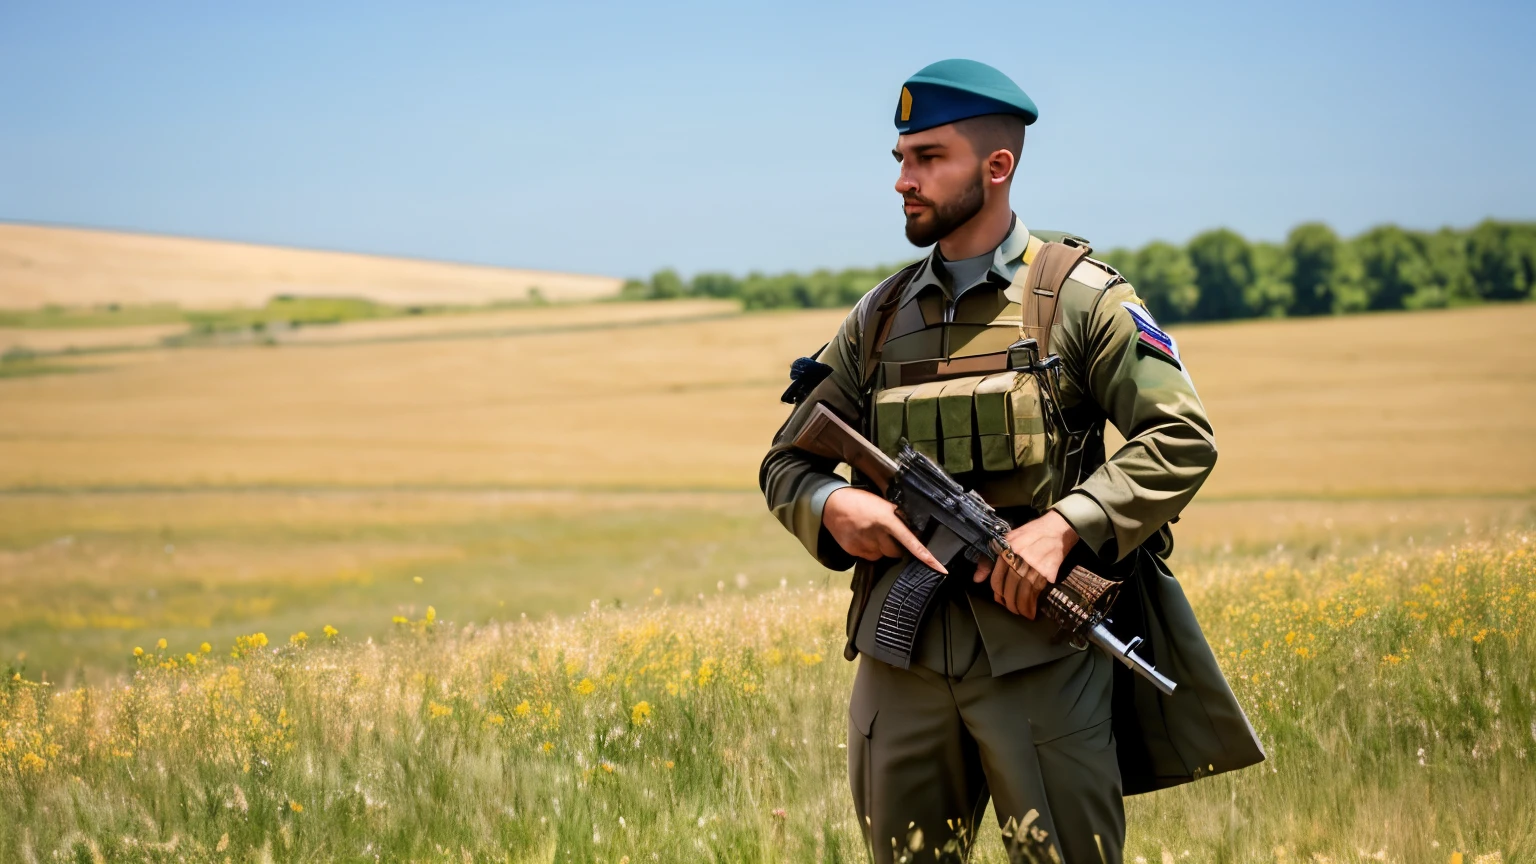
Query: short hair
[(989, 133)]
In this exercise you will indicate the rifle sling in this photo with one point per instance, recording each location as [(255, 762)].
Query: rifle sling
[(1042, 290)]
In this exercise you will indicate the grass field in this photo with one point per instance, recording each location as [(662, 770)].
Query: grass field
[(575, 461), (1393, 693)]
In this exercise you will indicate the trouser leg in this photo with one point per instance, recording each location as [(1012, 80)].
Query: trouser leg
[(916, 777), (1044, 739)]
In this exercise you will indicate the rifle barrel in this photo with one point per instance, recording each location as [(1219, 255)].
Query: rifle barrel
[(1106, 640)]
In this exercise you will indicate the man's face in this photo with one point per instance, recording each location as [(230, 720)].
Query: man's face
[(942, 182)]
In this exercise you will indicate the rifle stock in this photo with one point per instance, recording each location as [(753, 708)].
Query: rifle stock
[(825, 434)]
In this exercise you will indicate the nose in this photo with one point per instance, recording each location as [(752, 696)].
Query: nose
[(905, 183)]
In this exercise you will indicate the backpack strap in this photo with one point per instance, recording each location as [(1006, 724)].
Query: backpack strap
[(879, 315), (1041, 288)]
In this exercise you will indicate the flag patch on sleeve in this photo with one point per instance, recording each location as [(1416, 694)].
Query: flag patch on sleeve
[(1151, 337)]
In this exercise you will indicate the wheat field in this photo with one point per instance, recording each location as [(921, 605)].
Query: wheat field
[(1338, 408), (42, 265)]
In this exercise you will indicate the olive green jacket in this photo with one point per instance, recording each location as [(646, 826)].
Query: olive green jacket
[(1120, 507)]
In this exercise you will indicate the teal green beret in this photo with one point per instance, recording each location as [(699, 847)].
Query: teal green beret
[(951, 90)]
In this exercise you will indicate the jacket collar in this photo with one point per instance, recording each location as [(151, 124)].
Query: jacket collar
[(1006, 260)]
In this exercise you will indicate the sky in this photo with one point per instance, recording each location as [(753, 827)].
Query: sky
[(621, 138)]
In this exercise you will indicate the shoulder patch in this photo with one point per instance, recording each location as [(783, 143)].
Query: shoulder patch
[(1150, 337)]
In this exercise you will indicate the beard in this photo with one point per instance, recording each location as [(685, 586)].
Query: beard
[(945, 217)]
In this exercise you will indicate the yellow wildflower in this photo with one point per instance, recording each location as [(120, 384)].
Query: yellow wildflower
[(330, 632), (495, 719), (671, 764), (548, 746), (810, 659), (400, 619), (431, 614), (608, 766), (1290, 637), (33, 763), (138, 652), (437, 709), (416, 579), (641, 713), (522, 709), (161, 643), (295, 806), (205, 648), (246, 644), (298, 638), (585, 686), (656, 592)]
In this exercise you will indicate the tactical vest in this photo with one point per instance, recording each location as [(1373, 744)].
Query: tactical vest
[(941, 375)]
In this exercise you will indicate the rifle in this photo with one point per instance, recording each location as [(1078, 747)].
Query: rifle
[(951, 520)]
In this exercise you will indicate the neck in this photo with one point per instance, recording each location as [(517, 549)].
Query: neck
[(981, 233)]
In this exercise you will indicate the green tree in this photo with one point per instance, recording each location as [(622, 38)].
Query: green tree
[(1501, 259), (667, 285), (1450, 281), (635, 289), (1165, 279), (715, 285), (1325, 275), (1394, 266), (1223, 271), (1270, 294)]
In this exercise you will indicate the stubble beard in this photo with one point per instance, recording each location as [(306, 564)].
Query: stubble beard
[(946, 216)]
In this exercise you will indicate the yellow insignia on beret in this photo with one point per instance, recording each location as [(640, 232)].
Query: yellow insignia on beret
[(906, 104)]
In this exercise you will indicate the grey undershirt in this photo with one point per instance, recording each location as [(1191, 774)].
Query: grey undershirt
[(967, 273)]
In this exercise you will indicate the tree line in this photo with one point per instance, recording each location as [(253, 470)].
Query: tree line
[(1221, 275)]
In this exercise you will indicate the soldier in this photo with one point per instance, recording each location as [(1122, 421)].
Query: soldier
[(992, 705)]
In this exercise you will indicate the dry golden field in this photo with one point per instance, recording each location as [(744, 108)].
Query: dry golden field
[(77, 267), (1395, 404)]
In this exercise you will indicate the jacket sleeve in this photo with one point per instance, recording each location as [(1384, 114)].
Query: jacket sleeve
[(1169, 446), (795, 483)]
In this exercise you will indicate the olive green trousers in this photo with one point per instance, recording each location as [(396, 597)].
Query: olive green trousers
[(926, 751)]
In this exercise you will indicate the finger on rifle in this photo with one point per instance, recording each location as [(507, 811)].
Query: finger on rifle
[(1000, 571), (1029, 594), (905, 537), (983, 570)]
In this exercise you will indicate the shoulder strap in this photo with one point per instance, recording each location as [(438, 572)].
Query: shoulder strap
[(880, 313), (1043, 278)]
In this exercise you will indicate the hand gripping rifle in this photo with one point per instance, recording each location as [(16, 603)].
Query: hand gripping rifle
[(950, 520)]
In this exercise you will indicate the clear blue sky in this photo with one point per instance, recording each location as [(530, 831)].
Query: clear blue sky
[(621, 138)]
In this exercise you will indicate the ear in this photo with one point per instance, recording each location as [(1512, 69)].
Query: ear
[(999, 167)]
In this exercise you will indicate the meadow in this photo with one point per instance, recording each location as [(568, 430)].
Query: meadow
[(474, 587), (1394, 693)]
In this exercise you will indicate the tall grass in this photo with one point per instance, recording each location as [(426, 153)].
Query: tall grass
[(1394, 694)]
